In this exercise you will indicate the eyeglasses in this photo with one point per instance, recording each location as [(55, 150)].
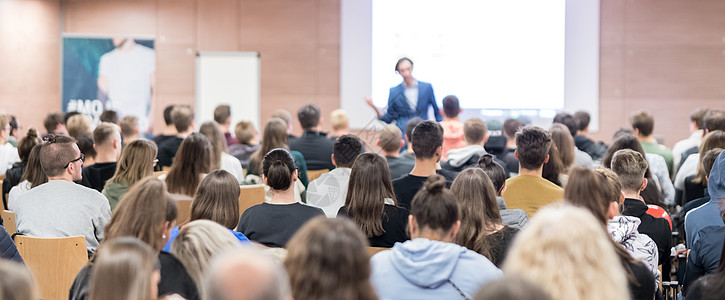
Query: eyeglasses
[(82, 159)]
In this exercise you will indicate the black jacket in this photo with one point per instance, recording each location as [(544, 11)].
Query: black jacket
[(316, 148), (658, 229)]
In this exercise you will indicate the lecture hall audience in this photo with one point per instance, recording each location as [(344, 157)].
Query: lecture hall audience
[(328, 191), (107, 142), (313, 144)]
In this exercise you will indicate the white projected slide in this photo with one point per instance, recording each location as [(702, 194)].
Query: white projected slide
[(492, 54)]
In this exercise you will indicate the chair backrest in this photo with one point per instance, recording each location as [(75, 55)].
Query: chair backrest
[(165, 168), (373, 250), (313, 174), (183, 208), (250, 195), (9, 221), (54, 262)]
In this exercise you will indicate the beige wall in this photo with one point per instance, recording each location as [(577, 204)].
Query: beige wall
[(666, 56)]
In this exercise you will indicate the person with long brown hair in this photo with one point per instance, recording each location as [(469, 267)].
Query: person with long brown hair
[(136, 162), (553, 170), (275, 136), (273, 223), (371, 204), (14, 175), (32, 176), (481, 226), (321, 258), (590, 190), (125, 268), (217, 199), (561, 137), (191, 163), (220, 159), (146, 212)]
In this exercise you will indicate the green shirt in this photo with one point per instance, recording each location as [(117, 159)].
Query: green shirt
[(660, 150)]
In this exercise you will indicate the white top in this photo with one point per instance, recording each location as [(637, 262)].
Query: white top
[(411, 93), (689, 167), (129, 81), (328, 191), (8, 156), (232, 165), (658, 168), (15, 192), (693, 140)]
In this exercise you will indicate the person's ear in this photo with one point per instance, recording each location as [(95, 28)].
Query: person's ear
[(443, 112), (644, 185), (454, 230), (402, 144), (613, 210), (264, 178), (332, 158), (503, 190), (516, 154), (485, 138), (377, 142), (413, 225), (546, 161), (295, 176), (621, 198)]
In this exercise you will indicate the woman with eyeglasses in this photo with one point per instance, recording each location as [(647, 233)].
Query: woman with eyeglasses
[(136, 162)]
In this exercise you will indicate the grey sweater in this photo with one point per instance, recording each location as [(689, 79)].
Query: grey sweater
[(62, 208)]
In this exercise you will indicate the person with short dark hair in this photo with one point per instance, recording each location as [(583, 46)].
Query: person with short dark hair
[(107, 143), (273, 223), (582, 141), (169, 128), (109, 116), (223, 117), (529, 190), (54, 123), (714, 120), (697, 132), (313, 144), (411, 98), (643, 124), (511, 163), (408, 153), (14, 127), (390, 142), (453, 136), (328, 191), (430, 265), (427, 143), (61, 208), (183, 118)]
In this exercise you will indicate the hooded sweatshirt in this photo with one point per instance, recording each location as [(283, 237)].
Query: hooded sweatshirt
[(623, 230), (113, 192), (458, 157), (708, 214), (426, 269)]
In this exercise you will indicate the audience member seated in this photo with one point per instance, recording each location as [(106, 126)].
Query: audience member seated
[(481, 227), (169, 128), (248, 138), (582, 140), (129, 129), (148, 213), (340, 124), (580, 157), (409, 126), (708, 160), (183, 118), (220, 159), (431, 266), (643, 124), (136, 162), (529, 191), (217, 199), (275, 136), (14, 135), (515, 218), (553, 170), (14, 175), (476, 134), (191, 164), (318, 273), (710, 286), (370, 202), (631, 167), (660, 189), (511, 288), (223, 117), (697, 129), (197, 244), (712, 121), (55, 124), (313, 144), (511, 163), (107, 142), (32, 176), (85, 144), (109, 116), (578, 262), (61, 208), (287, 118), (125, 268), (693, 167), (78, 125), (564, 143), (17, 283), (8, 153), (623, 229), (390, 142), (273, 223), (426, 141), (590, 190), (453, 130), (328, 191), (246, 274)]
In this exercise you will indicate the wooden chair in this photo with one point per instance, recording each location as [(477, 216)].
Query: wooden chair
[(250, 195), (9, 221), (374, 250), (2, 177), (313, 174), (54, 262), (165, 168), (183, 208)]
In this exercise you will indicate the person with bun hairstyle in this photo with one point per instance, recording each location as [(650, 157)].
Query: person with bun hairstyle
[(15, 173), (431, 266), (273, 223), (515, 218)]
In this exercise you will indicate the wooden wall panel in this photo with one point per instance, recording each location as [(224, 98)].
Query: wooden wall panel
[(218, 25), (110, 17)]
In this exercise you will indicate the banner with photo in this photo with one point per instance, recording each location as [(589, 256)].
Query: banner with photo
[(114, 73)]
